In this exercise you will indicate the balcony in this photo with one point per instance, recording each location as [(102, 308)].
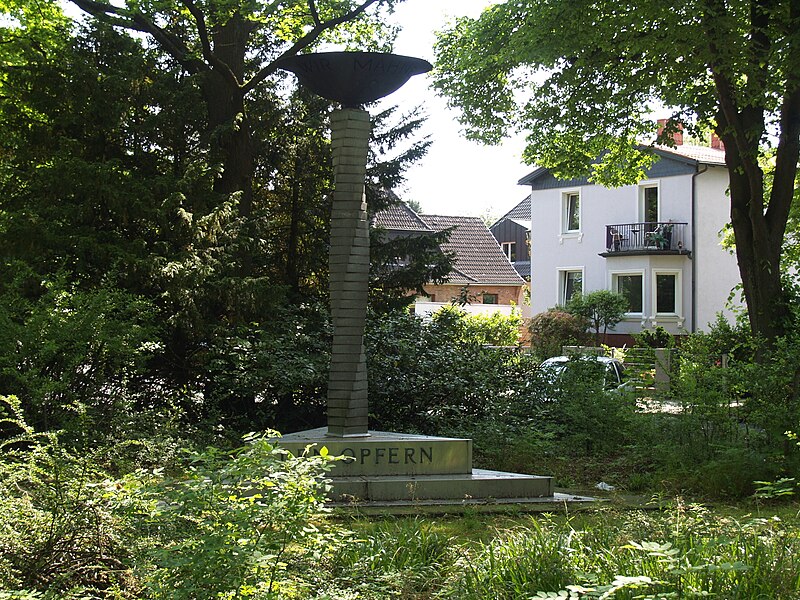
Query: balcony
[(646, 238)]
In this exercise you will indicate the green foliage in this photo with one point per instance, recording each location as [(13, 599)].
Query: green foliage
[(655, 338), (602, 310), (424, 375), (58, 538), (683, 554), (71, 355), (495, 329), (223, 524), (273, 373), (555, 328), (409, 556)]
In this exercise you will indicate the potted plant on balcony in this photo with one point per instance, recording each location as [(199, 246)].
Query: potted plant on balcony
[(662, 236)]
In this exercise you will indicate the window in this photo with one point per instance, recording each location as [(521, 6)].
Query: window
[(489, 298), (571, 212), (667, 293), (650, 204), (630, 285), (570, 283), (510, 250)]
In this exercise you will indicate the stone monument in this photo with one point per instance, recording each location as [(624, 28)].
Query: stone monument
[(380, 466)]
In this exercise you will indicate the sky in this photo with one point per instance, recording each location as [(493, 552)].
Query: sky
[(457, 176)]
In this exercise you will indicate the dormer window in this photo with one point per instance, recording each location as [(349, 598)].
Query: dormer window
[(510, 250)]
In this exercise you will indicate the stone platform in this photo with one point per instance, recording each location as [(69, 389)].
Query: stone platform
[(397, 467)]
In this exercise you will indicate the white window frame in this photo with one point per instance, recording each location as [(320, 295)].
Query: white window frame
[(612, 285), (565, 195), (678, 293), (654, 183), (506, 248), (562, 283)]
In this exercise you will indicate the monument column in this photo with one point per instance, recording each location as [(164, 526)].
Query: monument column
[(377, 465), (349, 274)]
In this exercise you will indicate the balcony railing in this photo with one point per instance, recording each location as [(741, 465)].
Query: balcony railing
[(658, 237)]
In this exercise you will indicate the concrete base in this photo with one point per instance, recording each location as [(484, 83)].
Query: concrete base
[(558, 501), (479, 484), (386, 467)]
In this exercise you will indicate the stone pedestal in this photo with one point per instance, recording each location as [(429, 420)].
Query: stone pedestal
[(388, 467)]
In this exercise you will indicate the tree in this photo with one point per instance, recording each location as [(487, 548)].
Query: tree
[(233, 48), (581, 78), (602, 310)]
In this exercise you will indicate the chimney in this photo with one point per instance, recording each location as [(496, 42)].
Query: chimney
[(716, 142), (677, 136)]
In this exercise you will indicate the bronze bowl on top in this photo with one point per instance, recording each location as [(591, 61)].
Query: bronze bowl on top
[(353, 78)]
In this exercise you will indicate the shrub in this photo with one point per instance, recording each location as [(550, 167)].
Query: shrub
[(655, 338), (555, 328), (428, 376), (223, 525), (59, 536), (72, 357)]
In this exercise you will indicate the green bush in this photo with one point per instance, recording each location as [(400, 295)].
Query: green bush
[(74, 358), (601, 309), (430, 376), (224, 524), (554, 329), (59, 537), (655, 338)]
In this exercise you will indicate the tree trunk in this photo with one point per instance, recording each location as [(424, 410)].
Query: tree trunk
[(292, 274), (758, 246), (227, 119)]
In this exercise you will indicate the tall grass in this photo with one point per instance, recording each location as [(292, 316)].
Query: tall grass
[(634, 555), (402, 556)]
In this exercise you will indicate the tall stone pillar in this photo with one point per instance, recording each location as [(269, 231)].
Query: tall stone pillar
[(349, 274)]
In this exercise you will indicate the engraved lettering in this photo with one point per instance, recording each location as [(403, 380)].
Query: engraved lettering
[(349, 454), (365, 452), (410, 456), (379, 453), (393, 460), (423, 453)]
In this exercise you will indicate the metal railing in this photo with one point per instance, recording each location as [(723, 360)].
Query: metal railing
[(647, 237)]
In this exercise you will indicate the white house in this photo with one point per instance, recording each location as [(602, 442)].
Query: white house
[(658, 242)]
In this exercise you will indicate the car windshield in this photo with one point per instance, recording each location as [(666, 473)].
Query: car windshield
[(609, 371)]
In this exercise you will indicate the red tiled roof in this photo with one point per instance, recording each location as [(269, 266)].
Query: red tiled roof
[(703, 154), (478, 257)]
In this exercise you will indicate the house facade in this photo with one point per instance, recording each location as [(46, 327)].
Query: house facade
[(658, 242), (482, 275), (513, 233)]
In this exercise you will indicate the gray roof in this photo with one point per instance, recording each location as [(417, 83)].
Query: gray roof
[(523, 267), (399, 217), (684, 153), (478, 257), (521, 212)]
